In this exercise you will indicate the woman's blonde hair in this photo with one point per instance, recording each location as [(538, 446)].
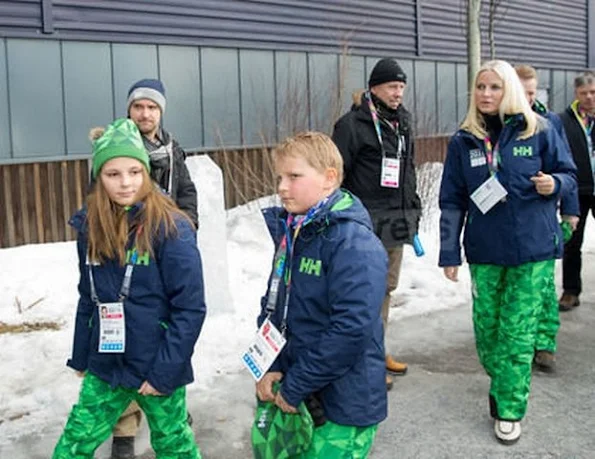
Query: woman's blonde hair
[(110, 226), (513, 102), (318, 149)]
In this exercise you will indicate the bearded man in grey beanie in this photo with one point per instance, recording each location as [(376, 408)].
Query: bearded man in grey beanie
[(376, 143)]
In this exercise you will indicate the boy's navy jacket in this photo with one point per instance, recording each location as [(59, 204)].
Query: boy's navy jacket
[(334, 333), (164, 312), (522, 228)]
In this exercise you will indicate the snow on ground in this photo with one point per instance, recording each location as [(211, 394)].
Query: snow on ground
[(37, 390)]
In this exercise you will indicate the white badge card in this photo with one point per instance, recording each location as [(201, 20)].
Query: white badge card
[(263, 350), (112, 328), (391, 168), (488, 194)]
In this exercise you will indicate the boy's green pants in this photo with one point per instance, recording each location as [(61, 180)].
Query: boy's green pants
[(549, 318), (99, 406), (507, 305), (334, 441)]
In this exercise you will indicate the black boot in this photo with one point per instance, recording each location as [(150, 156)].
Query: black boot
[(123, 448)]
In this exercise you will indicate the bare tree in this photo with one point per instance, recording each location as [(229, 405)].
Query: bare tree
[(492, 18), (473, 40)]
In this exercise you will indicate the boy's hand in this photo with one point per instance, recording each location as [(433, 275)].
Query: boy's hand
[(264, 387), (544, 183), (285, 407), (452, 273), (572, 220)]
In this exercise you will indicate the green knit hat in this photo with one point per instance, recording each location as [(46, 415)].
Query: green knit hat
[(121, 138)]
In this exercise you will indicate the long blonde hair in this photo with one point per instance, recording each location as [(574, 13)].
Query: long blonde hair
[(110, 226), (513, 102)]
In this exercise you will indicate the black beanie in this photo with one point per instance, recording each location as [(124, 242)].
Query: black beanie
[(386, 70)]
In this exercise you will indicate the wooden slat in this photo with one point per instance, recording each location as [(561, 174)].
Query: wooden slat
[(38, 205), (52, 202), (66, 210), (9, 208), (24, 207), (78, 186)]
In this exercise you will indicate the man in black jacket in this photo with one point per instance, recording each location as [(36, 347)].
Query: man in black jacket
[(375, 141), (146, 105), (579, 120)]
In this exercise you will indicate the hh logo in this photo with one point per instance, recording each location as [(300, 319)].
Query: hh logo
[(523, 150), (310, 266), (141, 260)]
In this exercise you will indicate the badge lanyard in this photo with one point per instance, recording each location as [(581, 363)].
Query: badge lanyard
[(125, 289), (283, 262), (492, 156), (376, 121), (588, 128)]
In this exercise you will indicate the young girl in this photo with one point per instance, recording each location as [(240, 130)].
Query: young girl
[(325, 295), (141, 305), (504, 171)]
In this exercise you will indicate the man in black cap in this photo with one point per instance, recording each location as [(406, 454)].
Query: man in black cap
[(375, 140)]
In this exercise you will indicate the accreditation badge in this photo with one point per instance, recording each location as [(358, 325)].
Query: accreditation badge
[(389, 175), (488, 194), (112, 328), (263, 350)]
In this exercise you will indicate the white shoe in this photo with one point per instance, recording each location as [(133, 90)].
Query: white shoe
[(507, 432)]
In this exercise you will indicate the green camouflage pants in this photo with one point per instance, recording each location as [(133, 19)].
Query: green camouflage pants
[(99, 406), (334, 441), (507, 303), (549, 318)]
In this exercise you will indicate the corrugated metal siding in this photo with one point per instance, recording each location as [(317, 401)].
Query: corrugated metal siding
[(314, 25), (543, 33)]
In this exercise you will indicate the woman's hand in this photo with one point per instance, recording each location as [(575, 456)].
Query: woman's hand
[(544, 183), (281, 403), (264, 387), (572, 220), (452, 273), (147, 389)]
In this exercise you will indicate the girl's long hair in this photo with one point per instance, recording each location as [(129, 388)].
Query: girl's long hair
[(110, 226), (513, 102)]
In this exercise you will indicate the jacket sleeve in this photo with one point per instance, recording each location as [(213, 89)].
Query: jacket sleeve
[(186, 195), (84, 314), (356, 279), (557, 161), (345, 139), (454, 205), (181, 272)]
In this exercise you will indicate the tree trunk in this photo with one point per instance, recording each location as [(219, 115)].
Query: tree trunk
[(473, 41), (491, 27)]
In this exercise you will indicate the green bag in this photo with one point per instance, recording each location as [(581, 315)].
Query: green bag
[(566, 230), (279, 435)]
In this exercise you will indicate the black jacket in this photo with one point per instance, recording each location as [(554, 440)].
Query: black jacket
[(580, 150), (395, 212), (182, 189)]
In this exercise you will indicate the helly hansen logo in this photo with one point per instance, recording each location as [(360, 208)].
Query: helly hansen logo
[(141, 260), (523, 150), (310, 266)]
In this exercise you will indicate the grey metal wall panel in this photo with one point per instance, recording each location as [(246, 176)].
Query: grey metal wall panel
[(324, 91), (179, 69), (447, 97), (257, 79), (36, 104), (130, 64), (462, 93), (558, 90), (409, 97), (552, 33), (352, 72), (5, 144), (221, 97), (292, 93), (87, 92), (570, 76), (18, 15), (321, 25), (426, 97)]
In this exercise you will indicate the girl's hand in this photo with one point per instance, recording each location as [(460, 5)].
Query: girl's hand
[(544, 183), (281, 403), (264, 387), (572, 220), (147, 389), (452, 273)]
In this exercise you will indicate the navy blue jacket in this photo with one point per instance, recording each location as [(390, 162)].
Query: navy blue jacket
[(335, 334), (523, 228), (164, 312)]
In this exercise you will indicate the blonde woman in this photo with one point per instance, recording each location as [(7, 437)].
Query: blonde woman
[(141, 305), (504, 171)]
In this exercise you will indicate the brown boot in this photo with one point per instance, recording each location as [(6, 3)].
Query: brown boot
[(389, 382), (545, 361), (568, 302), (394, 367)]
